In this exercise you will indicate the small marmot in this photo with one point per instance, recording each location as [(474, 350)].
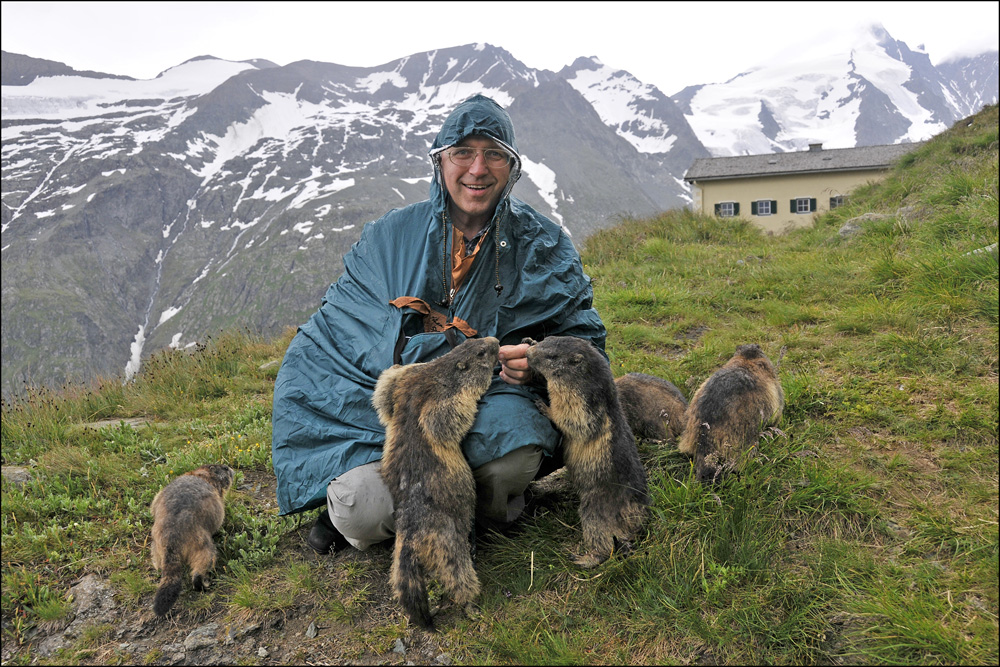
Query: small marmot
[(186, 513), (598, 445), (427, 409), (653, 406), (728, 412)]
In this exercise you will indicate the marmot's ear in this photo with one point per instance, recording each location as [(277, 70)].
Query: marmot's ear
[(461, 365), (576, 358)]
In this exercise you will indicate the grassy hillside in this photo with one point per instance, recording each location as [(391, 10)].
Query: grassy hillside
[(865, 532)]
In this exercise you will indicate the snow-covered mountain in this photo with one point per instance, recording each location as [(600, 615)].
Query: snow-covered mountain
[(145, 214), (140, 214), (861, 88)]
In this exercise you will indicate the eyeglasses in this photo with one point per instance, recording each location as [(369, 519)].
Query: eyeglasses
[(464, 156)]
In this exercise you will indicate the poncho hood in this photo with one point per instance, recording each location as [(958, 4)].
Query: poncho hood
[(478, 115)]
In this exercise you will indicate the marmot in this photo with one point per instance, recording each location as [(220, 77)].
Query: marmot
[(186, 513), (727, 413), (653, 406), (427, 408), (599, 448)]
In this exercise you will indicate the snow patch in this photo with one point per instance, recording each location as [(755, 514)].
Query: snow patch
[(167, 314), (376, 80), (135, 354), (545, 180)]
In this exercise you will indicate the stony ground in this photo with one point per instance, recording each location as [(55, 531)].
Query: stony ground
[(102, 629), (204, 634)]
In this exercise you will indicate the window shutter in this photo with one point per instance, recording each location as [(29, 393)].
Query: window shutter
[(774, 206), (736, 208), (792, 207), (753, 208), (718, 209), (812, 204)]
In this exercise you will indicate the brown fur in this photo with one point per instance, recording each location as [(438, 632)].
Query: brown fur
[(186, 513), (599, 448), (427, 408), (654, 407), (728, 412)]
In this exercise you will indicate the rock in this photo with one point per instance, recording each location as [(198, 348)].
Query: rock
[(907, 214), (50, 645), (93, 603), (262, 652), (111, 423), (16, 475), (202, 637), (311, 631), (234, 633), (855, 225), (991, 249), (400, 647)]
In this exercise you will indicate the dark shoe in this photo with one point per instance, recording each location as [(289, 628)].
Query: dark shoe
[(323, 535)]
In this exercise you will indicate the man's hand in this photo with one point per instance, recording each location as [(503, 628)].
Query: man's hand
[(514, 364)]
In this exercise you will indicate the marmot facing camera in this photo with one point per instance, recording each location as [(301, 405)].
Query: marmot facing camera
[(653, 406), (598, 445), (186, 513), (427, 408), (728, 412)]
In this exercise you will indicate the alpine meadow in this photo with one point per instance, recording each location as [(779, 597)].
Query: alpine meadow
[(865, 530)]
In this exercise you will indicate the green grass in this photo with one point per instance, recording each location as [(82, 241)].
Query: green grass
[(865, 531)]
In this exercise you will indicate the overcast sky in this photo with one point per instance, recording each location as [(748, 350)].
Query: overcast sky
[(668, 44)]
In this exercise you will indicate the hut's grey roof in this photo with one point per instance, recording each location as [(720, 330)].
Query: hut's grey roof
[(813, 160)]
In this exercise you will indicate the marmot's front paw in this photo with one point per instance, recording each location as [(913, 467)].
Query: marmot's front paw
[(589, 561), (528, 340), (471, 611), (542, 406)]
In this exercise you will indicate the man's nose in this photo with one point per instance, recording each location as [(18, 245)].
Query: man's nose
[(478, 165)]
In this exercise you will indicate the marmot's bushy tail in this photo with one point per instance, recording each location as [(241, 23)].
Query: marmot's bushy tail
[(409, 585), (170, 583)]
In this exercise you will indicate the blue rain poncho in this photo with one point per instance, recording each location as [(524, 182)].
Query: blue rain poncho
[(526, 280)]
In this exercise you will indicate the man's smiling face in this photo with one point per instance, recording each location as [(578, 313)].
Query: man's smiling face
[(475, 190)]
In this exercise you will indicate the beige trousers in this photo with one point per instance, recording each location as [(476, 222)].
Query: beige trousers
[(361, 508)]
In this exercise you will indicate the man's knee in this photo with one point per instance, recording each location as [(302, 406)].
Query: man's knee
[(360, 506), (500, 484)]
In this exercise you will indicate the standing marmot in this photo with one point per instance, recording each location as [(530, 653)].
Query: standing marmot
[(186, 513), (653, 406), (599, 448), (427, 408), (728, 411)]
